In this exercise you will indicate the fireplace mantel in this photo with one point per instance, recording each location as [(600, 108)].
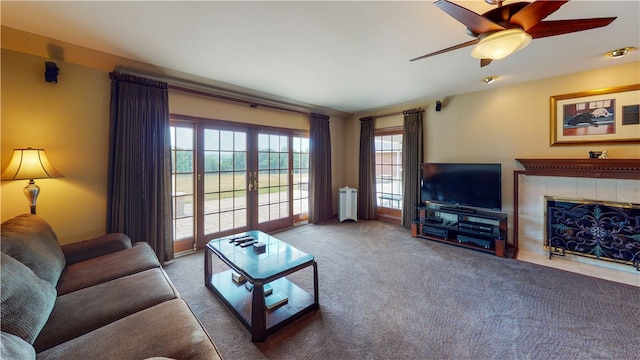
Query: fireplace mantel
[(591, 168)]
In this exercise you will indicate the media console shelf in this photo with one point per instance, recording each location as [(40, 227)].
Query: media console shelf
[(476, 229)]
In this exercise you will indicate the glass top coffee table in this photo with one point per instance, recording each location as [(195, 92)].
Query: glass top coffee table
[(247, 275)]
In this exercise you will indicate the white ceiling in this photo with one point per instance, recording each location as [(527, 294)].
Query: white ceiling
[(349, 56)]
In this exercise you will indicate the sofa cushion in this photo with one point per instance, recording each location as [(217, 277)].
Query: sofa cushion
[(104, 268), (168, 329), (31, 240), (82, 311), (13, 347), (27, 300)]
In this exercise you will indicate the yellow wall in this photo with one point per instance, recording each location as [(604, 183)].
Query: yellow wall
[(207, 107), (70, 120)]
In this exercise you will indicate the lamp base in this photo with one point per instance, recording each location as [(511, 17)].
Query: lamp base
[(31, 191)]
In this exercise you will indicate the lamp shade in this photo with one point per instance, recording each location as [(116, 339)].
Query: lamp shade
[(500, 44), (29, 164)]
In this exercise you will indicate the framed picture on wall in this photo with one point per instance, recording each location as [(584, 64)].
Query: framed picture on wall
[(603, 116)]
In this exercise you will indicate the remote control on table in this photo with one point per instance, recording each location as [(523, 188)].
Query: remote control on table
[(245, 244)]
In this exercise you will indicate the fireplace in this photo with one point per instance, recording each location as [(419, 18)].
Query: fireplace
[(608, 181), (601, 230)]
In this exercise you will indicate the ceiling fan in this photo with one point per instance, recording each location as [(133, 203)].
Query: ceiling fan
[(509, 28)]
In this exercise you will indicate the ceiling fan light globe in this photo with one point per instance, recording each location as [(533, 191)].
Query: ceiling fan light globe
[(500, 44)]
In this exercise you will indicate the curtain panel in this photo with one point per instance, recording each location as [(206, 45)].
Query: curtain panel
[(367, 203), (139, 183), (412, 155), (320, 187)]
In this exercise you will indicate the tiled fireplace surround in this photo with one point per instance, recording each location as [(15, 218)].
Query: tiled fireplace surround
[(604, 180)]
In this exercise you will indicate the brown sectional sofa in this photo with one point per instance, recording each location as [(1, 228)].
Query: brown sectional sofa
[(103, 298)]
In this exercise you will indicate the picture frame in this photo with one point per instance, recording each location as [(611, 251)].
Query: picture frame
[(603, 116)]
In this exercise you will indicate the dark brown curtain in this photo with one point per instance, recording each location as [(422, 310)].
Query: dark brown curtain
[(367, 204), (412, 155), (320, 205), (139, 184)]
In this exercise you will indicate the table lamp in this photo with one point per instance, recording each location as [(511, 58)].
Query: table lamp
[(30, 164)]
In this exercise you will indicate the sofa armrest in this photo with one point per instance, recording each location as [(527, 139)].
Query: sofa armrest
[(102, 245)]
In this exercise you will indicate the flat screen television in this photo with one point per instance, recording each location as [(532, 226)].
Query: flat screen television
[(462, 185)]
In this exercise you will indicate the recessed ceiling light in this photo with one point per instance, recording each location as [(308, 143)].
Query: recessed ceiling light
[(490, 79), (618, 53)]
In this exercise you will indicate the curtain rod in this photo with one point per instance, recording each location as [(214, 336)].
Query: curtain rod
[(413, 111), (254, 104)]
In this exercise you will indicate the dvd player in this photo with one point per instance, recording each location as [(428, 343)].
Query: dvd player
[(468, 239), (436, 232), (476, 226)]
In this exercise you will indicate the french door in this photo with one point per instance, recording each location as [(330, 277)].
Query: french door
[(229, 178)]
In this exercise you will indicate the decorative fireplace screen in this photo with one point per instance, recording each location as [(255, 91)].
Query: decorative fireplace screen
[(602, 230)]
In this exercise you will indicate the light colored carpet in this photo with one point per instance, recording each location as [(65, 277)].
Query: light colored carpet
[(386, 295)]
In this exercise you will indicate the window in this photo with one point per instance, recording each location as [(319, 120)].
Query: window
[(300, 178), (225, 180), (273, 177), (182, 185), (388, 152)]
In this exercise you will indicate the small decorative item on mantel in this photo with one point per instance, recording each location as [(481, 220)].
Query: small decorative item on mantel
[(598, 154)]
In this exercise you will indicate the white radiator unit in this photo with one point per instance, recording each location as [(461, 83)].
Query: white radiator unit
[(348, 198)]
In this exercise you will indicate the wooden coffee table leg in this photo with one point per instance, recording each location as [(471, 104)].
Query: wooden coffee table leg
[(258, 314), (207, 267)]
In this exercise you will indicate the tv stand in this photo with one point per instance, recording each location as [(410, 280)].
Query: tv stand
[(471, 228)]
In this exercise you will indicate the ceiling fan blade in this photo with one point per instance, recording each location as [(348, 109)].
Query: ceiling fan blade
[(535, 12), (485, 62), (459, 46), (559, 27), (502, 14), (473, 21)]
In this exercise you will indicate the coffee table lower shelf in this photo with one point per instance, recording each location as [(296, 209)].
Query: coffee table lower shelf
[(240, 302)]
